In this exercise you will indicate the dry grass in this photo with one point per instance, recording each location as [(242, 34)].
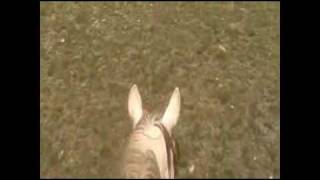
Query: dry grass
[(224, 57)]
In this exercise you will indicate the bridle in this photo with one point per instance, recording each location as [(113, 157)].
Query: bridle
[(170, 146)]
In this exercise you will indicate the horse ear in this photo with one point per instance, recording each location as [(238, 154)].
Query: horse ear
[(135, 105), (171, 115)]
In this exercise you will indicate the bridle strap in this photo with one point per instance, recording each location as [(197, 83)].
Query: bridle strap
[(169, 145)]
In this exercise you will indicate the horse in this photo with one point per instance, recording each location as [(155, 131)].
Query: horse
[(151, 151)]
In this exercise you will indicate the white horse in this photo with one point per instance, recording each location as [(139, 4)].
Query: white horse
[(151, 151)]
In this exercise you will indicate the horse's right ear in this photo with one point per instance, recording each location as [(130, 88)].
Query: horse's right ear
[(172, 112), (135, 105)]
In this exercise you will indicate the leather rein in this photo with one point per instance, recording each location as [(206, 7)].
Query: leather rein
[(170, 145)]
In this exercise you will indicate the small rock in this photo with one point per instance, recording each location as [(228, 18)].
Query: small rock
[(191, 169), (84, 84), (243, 10), (60, 154), (222, 48), (62, 40)]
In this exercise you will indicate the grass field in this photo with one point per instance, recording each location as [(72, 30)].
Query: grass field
[(224, 57)]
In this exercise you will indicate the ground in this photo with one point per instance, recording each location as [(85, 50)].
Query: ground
[(223, 56)]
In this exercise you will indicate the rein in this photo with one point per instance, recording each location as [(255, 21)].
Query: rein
[(170, 145)]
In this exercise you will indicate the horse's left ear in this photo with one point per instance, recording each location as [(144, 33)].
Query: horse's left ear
[(135, 105), (171, 115)]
